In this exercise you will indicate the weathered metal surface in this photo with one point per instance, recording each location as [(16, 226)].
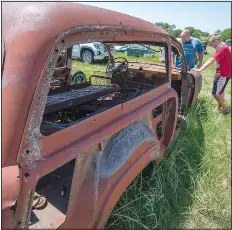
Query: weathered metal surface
[(110, 147), (11, 185), (153, 68), (93, 130), (190, 90), (197, 83), (76, 97), (36, 37)]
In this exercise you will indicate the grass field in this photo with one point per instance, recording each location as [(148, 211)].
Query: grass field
[(190, 187)]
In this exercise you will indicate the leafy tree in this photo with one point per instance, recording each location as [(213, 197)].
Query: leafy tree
[(226, 34), (205, 39), (177, 33), (218, 32), (194, 32), (205, 34), (197, 34), (169, 28), (191, 29)]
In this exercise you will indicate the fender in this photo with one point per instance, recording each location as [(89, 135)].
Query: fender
[(147, 152), (86, 48), (122, 158)]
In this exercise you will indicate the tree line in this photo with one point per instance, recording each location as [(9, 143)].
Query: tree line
[(203, 36)]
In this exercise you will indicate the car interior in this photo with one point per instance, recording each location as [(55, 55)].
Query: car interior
[(124, 78)]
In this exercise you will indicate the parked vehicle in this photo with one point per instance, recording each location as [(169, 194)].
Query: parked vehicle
[(228, 42), (135, 50), (120, 48), (89, 52), (204, 44), (69, 151)]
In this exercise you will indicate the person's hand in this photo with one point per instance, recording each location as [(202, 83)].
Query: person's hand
[(198, 70), (199, 66)]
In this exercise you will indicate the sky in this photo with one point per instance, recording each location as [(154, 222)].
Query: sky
[(206, 16)]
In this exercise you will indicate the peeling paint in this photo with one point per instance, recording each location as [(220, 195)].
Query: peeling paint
[(80, 173), (32, 149), (30, 17), (121, 146), (79, 178), (6, 80), (4, 83), (27, 205), (97, 174), (156, 153)]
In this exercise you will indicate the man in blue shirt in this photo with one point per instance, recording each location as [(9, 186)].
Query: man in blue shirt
[(192, 46)]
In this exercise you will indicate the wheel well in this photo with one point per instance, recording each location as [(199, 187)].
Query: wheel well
[(121, 146), (84, 49)]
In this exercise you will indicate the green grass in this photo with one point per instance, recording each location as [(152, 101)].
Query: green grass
[(190, 187)]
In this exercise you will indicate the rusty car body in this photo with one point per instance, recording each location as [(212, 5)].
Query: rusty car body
[(70, 173)]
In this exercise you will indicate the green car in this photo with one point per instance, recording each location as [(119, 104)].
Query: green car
[(134, 50)]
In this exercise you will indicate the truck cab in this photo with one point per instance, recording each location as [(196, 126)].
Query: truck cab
[(70, 150)]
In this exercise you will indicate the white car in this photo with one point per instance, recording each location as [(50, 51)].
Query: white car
[(88, 52)]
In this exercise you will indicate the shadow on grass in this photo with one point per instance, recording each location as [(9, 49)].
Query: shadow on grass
[(163, 199)]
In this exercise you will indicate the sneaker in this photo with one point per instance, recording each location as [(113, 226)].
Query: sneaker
[(227, 110)]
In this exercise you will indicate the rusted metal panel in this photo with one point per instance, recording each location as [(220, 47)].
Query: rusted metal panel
[(190, 90), (110, 147), (11, 185), (93, 130), (24, 96), (76, 97), (197, 84), (96, 209)]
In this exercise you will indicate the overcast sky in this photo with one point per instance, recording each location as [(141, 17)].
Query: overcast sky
[(206, 16)]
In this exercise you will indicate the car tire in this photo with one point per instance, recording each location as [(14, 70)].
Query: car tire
[(87, 56), (78, 77)]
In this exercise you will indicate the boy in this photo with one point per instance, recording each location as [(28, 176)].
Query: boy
[(222, 56)]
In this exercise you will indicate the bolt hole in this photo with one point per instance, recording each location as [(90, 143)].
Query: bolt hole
[(56, 50), (19, 222), (159, 130), (62, 41), (27, 174), (27, 151)]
